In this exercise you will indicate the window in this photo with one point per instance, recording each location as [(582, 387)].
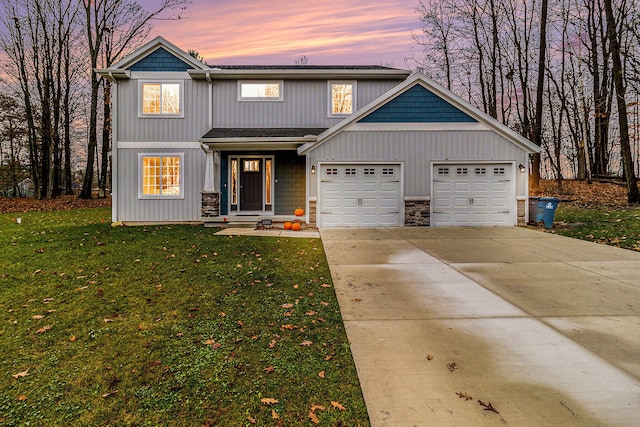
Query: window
[(443, 171), (251, 166), (332, 171), (160, 176), (350, 171), (260, 90), (158, 99), (481, 171), (462, 171), (369, 171), (498, 171), (342, 98), (388, 171)]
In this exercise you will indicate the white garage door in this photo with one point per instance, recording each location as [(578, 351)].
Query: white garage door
[(473, 195), (359, 195)]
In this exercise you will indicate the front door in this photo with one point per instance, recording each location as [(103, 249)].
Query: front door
[(251, 184)]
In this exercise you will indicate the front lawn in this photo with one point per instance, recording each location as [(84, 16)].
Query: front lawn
[(167, 325), (609, 224)]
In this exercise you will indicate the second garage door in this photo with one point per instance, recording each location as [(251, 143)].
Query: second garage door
[(359, 195), (473, 195)]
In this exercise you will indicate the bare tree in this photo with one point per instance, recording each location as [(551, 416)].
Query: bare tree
[(113, 27)]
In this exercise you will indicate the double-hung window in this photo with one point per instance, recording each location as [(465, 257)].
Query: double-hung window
[(342, 96), (161, 99), (161, 176)]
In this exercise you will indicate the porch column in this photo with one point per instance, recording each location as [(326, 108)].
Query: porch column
[(209, 175), (210, 207)]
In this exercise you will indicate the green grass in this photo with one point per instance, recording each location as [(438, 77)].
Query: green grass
[(167, 325), (615, 225)]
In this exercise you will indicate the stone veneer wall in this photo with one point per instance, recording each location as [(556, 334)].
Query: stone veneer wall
[(522, 206), (210, 205), (312, 213), (417, 213)]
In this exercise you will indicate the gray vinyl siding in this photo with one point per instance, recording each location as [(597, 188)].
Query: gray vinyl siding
[(291, 186), (305, 104), (194, 124), (130, 208), (416, 149)]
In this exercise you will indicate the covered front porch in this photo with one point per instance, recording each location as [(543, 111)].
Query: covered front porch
[(255, 177)]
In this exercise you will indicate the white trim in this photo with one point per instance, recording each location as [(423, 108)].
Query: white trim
[(444, 126), (160, 75), (157, 145), (114, 153), (280, 97), (354, 98), (151, 47), (445, 94), (142, 196), (161, 82), (417, 198)]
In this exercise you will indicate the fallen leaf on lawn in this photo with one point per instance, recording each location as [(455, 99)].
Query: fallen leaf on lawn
[(111, 393), (314, 418), (82, 288), (337, 406), (252, 420), (321, 374), (21, 374), (274, 415), (272, 344), (43, 329), (329, 357), (45, 300), (287, 305), (326, 304), (269, 369), (221, 314), (107, 320), (289, 327), (37, 316), (37, 272), (306, 343), (326, 285), (72, 338), (311, 313), (22, 397), (268, 401), (314, 408), (465, 396), (50, 311)]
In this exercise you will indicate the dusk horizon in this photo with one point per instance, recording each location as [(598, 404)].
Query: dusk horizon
[(248, 33)]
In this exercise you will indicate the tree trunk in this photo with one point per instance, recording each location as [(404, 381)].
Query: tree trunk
[(633, 195), (106, 138), (534, 180)]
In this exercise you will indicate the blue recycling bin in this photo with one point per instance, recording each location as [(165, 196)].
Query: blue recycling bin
[(548, 206)]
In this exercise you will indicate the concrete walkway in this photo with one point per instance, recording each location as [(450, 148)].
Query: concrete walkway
[(544, 328)]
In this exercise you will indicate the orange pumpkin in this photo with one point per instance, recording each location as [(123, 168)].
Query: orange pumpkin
[(287, 226), (295, 226), (298, 212)]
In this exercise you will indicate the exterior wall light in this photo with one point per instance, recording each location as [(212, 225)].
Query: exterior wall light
[(522, 168), (313, 169)]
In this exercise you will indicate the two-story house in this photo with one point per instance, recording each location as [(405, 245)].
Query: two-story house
[(351, 145)]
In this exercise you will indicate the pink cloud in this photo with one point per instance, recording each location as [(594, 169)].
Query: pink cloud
[(279, 31)]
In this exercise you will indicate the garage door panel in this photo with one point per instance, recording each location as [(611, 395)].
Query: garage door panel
[(473, 195), (360, 195)]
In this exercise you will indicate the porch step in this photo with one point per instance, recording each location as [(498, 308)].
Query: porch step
[(277, 222)]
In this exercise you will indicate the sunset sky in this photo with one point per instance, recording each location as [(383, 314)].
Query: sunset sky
[(243, 32)]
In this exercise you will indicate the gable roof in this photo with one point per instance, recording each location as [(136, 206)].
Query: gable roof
[(419, 79), (163, 49)]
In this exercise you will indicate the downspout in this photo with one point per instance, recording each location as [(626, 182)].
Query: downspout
[(114, 148)]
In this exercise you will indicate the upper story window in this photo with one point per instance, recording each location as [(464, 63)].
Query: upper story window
[(264, 90), (342, 95), (161, 99)]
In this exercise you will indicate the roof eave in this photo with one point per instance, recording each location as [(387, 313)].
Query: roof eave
[(217, 73)]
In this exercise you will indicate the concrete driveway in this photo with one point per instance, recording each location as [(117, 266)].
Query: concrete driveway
[(543, 329)]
